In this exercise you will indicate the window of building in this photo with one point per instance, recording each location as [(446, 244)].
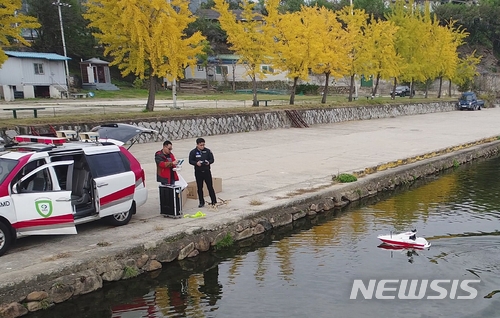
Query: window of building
[(267, 69), (200, 68), (38, 68), (221, 70)]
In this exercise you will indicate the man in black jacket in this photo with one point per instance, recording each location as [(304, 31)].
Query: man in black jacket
[(201, 158)]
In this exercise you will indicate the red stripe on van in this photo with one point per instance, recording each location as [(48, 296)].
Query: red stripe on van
[(117, 195), (60, 219)]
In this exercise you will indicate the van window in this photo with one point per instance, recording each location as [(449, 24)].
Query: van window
[(30, 166), (107, 164), (39, 182), (6, 166)]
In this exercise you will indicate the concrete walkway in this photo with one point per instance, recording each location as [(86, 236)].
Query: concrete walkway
[(264, 167)]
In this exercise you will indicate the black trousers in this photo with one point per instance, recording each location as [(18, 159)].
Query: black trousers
[(205, 176)]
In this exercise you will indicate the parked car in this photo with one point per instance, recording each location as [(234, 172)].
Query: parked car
[(402, 91), (469, 101), (48, 185)]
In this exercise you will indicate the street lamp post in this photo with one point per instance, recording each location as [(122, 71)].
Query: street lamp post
[(59, 4)]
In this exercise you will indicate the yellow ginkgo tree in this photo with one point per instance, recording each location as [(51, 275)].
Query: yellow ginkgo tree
[(355, 21), (146, 37), (465, 72), (448, 39), (297, 43), (380, 50), (333, 47), (12, 21), (249, 39)]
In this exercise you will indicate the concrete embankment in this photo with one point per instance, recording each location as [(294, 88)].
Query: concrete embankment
[(183, 127), (270, 178)]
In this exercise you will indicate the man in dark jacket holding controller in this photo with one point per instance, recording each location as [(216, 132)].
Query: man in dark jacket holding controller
[(201, 158)]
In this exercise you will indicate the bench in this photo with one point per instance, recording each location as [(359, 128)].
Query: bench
[(78, 95), (265, 101), (35, 110)]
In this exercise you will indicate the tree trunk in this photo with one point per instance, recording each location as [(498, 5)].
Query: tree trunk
[(254, 91), (206, 77), (375, 88), (440, 86), (292, 94), (151, 96), (393, 96), (351, 88), (234, 78), (411, 88), (427, 83), (449, 88), (325, 90)]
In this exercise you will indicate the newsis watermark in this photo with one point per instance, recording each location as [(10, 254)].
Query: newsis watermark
[(414, 289)]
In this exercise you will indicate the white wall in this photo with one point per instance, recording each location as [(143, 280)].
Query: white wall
[(17, 71), (8, 92), (29, 91), (239, 75), (20, 72), (239, 71)]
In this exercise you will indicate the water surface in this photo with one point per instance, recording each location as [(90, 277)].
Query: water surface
[(307, 270)]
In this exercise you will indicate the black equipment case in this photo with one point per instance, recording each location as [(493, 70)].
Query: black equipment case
[(170, 201)]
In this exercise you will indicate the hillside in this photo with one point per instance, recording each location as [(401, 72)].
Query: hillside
[(489, 62)]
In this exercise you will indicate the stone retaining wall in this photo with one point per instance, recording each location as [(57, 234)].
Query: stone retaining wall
[(44, 291), (192, 127)]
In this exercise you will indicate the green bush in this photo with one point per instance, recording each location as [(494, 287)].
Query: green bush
[(307, 89), (489, 99), (226, 242), (138, 83), (346, 178)]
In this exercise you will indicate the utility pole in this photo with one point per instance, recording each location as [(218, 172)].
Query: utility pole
[(59, 4)]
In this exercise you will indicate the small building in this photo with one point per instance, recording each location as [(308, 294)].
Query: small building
[(223, 67), (96, 75), (33, 75)]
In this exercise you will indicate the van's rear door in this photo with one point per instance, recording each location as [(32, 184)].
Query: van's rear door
[(114, 181)]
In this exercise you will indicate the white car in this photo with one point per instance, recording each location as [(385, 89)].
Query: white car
[(48, 185)]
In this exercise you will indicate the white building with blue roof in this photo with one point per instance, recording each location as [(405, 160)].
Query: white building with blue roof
[(33, 75)]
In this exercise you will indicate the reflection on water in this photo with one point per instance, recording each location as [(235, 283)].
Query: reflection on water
[(307, 269)]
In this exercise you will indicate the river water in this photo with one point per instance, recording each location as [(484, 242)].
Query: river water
[(308, 269)]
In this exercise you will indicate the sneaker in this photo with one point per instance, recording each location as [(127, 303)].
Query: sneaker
[(213, 204), (201, 205)]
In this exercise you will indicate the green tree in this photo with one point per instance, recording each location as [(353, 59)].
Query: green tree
[(12, 21), (374, 8), (80, 43), (248, 38), (146, 37), (291, 5), (212, 31)]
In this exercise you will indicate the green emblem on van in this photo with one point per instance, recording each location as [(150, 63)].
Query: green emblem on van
[(44, 207)]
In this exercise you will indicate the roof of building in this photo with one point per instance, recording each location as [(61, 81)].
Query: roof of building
[(94, 60), (36, 55), (223, 59)]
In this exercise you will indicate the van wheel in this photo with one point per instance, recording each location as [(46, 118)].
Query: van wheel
[(6, 238), (122, 218)]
